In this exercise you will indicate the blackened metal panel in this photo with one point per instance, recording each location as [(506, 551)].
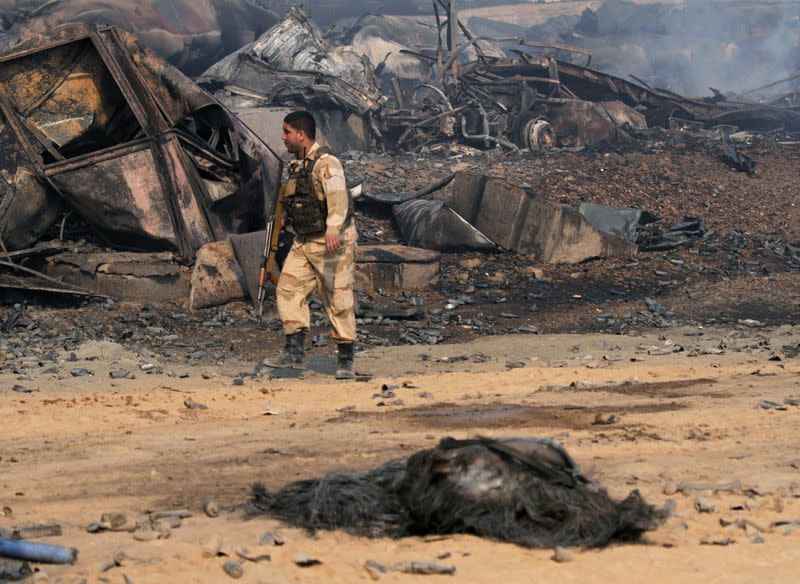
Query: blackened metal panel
[(188, 195), (28, 210), (123, 199)]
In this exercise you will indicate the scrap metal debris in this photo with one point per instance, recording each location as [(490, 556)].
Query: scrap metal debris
[(678, 235), (736, 159), (616, 222), (18, 549), (293, 64)]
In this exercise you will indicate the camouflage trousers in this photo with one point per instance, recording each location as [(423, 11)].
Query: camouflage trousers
[(310, 265)]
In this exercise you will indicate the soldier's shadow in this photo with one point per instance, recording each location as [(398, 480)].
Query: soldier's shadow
[(322, 364), (316, 365)]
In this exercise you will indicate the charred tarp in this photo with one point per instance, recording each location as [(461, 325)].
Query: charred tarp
[(136, 149)]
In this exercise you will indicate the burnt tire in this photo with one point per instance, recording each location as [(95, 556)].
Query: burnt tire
[(531, 130)]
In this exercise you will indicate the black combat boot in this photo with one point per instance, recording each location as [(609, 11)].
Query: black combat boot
[(344, 367), (293, 357)]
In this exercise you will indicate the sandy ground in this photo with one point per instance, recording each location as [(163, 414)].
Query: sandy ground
[(78, 448)]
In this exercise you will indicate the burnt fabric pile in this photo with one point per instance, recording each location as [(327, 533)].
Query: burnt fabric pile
[(527, 491)]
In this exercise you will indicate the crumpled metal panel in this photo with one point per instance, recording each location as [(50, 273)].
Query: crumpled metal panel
[(434, 225), (28, 210), (292, 62), (616, 221), (127, 188), (145, 156)]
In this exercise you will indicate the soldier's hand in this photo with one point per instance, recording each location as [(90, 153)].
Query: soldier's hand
[(332, 243)]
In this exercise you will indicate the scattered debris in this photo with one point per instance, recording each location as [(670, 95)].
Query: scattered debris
[(601, 420), (375, 570), (678, 235), (14, 570), (704, 506), (617, 222), (115, 562), (211, 508), (424, 568), (771, 405), (193, 405), (214, 548), (736, 159), (18, 549), (721, 541), (36, 531), (306, 561), (689, 488), (562, 555), (10, 323), (246, 554), (233, 569), (272, 538)]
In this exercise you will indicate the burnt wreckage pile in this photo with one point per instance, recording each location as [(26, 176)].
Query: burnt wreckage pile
[(100, 130), (483, 91), (537, 102)]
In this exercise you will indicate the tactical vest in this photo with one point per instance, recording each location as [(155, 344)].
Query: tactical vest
[(306, 214)]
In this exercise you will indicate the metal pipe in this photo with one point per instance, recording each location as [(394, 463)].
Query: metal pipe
[(44, 553)]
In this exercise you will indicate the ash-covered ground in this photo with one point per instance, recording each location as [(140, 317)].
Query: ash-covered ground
[(742, 270)]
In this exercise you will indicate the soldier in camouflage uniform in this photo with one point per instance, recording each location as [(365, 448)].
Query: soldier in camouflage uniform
[(318, 209)]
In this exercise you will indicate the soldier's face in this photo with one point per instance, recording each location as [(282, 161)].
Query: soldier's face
[(293, 139)]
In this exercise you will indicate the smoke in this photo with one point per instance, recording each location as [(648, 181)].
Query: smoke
[(691, 47)]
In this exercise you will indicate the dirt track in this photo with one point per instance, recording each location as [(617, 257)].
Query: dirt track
[(78, 448)]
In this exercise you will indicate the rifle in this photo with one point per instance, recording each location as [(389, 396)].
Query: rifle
[(271, 244)]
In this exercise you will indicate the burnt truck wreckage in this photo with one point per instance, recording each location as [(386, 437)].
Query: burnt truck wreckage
[(483, 91), (536, 102), (99, 128)]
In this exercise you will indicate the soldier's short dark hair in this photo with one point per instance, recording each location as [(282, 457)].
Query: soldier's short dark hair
[(302, 121)]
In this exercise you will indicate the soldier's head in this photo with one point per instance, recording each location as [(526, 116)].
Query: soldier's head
[(299, 132)]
